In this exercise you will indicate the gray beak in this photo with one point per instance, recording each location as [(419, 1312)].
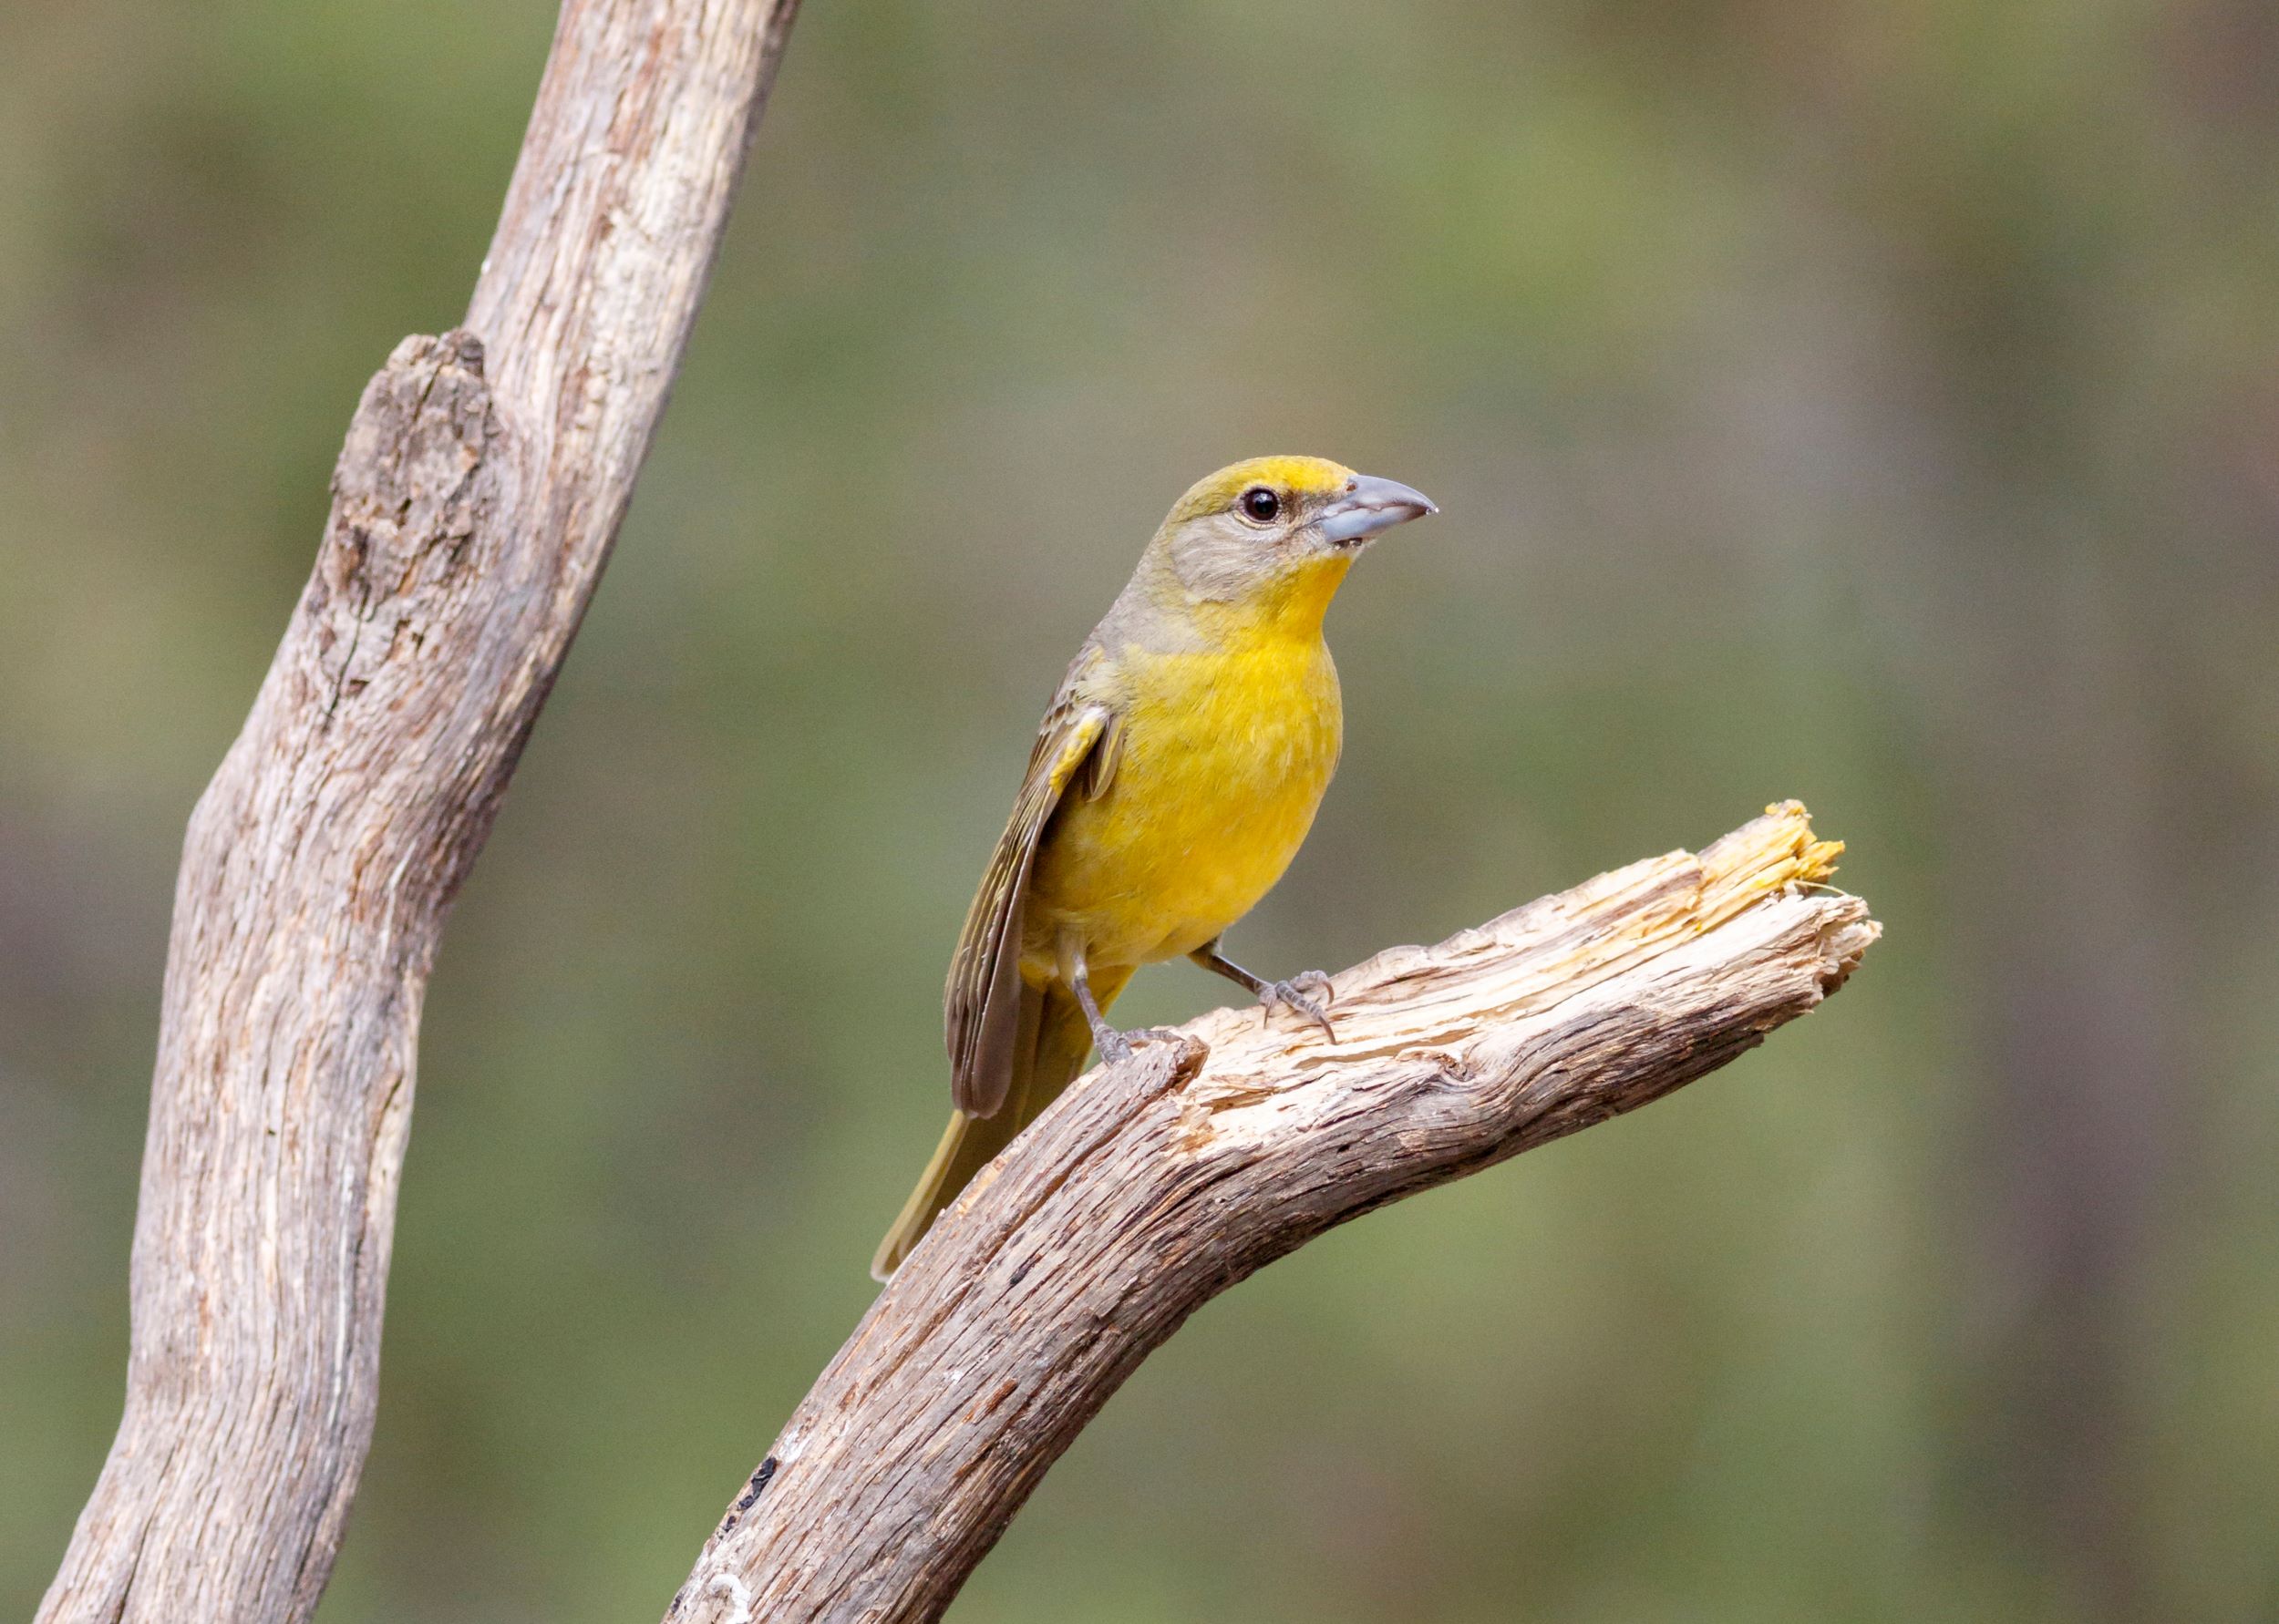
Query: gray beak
[(1369, 506)]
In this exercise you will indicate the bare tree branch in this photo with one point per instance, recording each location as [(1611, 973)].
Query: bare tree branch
[(475, 501), (1153, 1186), (474, 504)]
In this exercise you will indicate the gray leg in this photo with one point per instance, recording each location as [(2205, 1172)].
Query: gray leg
[(1112, 1044), (1306, 993)]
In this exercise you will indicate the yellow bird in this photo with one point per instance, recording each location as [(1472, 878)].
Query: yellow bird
[(1173, 780)]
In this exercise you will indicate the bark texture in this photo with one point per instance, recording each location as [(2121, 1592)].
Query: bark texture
[(480, 485), (1152, 1186)]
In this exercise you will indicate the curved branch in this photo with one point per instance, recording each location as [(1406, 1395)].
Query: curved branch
[(1154, 1185), (474, 504)]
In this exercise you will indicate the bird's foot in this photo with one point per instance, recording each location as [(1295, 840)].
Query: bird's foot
[(1307, 993), (1118, 1046)]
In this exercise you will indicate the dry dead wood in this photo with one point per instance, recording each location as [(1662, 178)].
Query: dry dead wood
[(475, 501), (474, 504), (1154, 1185)]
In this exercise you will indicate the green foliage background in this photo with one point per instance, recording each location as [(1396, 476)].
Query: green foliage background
[(1869, 402)]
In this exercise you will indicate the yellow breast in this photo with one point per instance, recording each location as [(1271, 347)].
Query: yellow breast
[(1221, 764)]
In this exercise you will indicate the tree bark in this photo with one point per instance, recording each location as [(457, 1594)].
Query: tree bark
[(473, 506), (1153, 1185)]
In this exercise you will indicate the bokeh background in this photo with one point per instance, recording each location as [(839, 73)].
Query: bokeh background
[(1873, 401)]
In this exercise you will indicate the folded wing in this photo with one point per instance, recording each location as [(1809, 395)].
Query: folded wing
[(982, 1002)]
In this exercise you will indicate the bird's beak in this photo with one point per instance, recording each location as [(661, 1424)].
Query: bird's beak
[(1369, 506)]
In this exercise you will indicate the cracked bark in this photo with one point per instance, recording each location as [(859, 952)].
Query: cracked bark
[(474, 503), (1153, 1185)]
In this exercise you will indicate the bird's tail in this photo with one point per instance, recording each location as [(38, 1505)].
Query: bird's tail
[(1048, 1051)]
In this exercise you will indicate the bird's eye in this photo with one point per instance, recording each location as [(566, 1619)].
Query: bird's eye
[(1261, 505)]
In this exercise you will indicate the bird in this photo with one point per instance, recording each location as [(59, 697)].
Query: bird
[(1175, 774)]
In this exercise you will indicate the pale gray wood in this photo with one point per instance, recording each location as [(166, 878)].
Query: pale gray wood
[(1152, 1186), (474, 504)]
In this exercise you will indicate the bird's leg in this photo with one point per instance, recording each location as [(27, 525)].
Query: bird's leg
[(1306, 993), (1112, 1044)]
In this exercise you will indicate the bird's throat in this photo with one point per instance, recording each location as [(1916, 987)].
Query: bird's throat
[(1290, 605)]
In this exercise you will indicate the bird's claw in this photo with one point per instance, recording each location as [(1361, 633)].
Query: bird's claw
[(1307, 993), (1116, 1047)]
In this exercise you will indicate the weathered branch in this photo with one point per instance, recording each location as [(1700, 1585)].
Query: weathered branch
[(474, 504), (1153, 1186)]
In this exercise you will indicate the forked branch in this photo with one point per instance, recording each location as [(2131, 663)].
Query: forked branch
[(1153, 1186)]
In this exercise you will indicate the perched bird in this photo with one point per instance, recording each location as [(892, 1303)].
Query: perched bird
[(1173, 780)]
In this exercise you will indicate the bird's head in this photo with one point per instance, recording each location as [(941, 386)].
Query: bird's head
[(1275, 534)]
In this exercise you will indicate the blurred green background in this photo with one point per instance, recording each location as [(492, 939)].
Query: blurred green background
[(1869, 402)]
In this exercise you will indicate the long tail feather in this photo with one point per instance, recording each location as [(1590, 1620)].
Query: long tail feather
[(1048, 1052)]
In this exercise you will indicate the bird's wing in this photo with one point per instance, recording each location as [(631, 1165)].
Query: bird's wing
[(982, 1006)]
